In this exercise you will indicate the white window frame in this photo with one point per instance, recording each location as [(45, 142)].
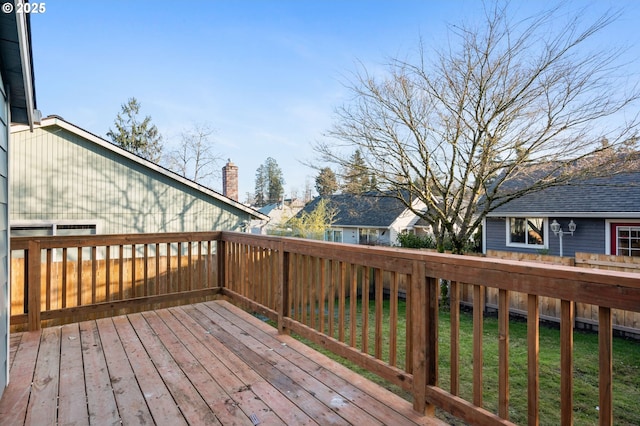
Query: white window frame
[(333, 235), (545, 236), (369, 232), (608, 237), (54, 224)]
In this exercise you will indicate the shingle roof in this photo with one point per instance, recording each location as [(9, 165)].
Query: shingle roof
[(370, 209), (619, 193)]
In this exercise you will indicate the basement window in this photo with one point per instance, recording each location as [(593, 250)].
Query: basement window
[(39, 230)]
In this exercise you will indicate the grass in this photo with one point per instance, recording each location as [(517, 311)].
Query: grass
[(626, 369)]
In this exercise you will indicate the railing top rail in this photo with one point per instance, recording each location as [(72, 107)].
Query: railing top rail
[(46, 242), (611, 289), (376, 257)]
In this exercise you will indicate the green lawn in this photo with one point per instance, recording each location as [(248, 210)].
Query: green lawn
[(626, 388)]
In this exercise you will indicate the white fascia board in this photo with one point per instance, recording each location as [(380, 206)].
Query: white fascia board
[(54, 121), (25, 59)]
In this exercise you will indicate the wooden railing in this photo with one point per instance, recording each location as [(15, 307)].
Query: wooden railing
[(64, 279), (345, 298)]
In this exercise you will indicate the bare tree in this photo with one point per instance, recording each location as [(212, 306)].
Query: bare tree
[(194, 157), (502, 101)]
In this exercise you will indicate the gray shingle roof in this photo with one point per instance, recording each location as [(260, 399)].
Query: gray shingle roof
[(619, 193), (370, 209)]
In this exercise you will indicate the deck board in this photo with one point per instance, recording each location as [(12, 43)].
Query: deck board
[(208, 363), (72, 404)]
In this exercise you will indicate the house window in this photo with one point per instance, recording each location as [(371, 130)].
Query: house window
[(333, 235), (525, 232), (367, 236), (626, 240), (38, 230)]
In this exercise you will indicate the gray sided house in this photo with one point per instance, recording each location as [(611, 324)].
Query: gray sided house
[(605, 211), (17, 105), (371, 218), (66, 180)]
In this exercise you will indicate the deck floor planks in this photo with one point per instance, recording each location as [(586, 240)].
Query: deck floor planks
[(241, 395), (72, 403), (193, 407), (14, 342), (353, 386), (15, 400), (308, 374), (131, 403), (44, 389), (208, 363), (218, 400), (159, 400), (100, 399), (327, 406), (277, 402), (303, 398)]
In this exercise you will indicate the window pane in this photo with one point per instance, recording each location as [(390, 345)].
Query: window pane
[(337, 236), (75, 230), (368, 236), (31, 231), (517, 228), (536, 231), (628, 241)]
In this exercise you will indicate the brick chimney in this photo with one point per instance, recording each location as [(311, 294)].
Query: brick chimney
[(230, 180)]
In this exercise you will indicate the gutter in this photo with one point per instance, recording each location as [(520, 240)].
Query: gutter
[(24, 43)]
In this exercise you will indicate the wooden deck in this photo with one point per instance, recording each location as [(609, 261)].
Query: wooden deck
[(203, 364)]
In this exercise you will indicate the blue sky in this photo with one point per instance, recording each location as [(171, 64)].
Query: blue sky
[(267, 75)]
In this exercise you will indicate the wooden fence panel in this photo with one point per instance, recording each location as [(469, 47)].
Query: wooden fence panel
[(586, 315), (60, 287)]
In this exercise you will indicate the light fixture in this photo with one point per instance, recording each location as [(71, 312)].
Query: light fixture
[(557, 230)]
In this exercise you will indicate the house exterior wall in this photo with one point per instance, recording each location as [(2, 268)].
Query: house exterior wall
[(4, 239), (60, 176), (589, 237), (405, 221), (350, 235)]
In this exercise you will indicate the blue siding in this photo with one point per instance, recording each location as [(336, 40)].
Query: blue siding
[(589, 237)]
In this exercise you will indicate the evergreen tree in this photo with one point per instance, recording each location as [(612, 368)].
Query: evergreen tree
[(275, 181), (356, 176), (269, 184), (139, 137), (326, 182), (259, 197)]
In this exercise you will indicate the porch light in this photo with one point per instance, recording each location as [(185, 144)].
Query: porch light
[(558, 232)]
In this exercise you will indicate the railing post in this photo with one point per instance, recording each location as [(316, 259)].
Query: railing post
[(283, 287), (605, 344), (33, 285), (423, 327), (221, 258)]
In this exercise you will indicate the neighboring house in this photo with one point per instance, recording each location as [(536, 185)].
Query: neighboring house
[(66, 180), (17, 105), (278, 213), (605, 211), (371, 218)]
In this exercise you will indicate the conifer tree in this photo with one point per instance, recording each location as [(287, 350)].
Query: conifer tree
[(139, 137)]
